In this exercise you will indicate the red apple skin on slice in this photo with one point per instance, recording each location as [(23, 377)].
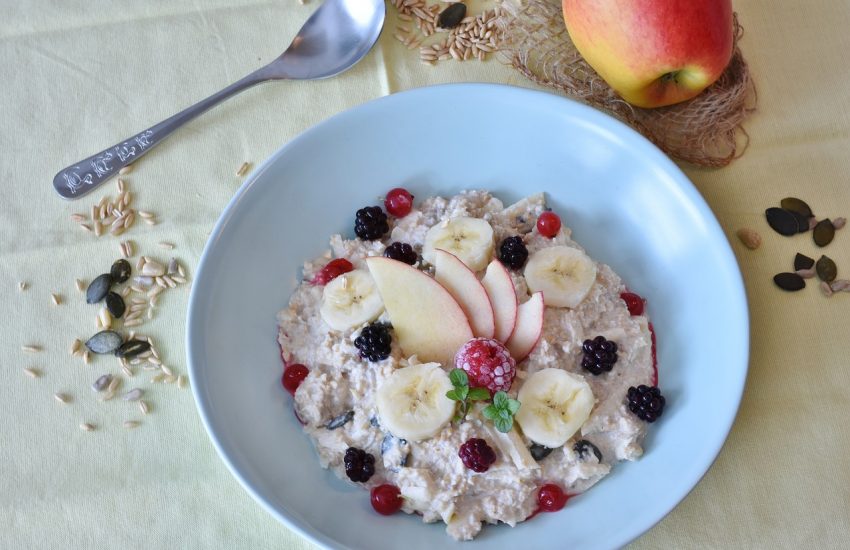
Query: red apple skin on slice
[(500, 287), (529, 327), (467, 291), (426, 320)]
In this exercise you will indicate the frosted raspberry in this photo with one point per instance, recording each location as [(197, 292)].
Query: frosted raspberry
[(487, 363)]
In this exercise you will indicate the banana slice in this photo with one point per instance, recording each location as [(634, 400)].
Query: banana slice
[(412, 402), (564, 275), (555, 404), (351, 300), (470, 239)]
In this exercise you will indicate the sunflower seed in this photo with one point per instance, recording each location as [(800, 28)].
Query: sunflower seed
[(130, 424), (181, 381), (796, 205), (145, 215), (144, 407), (133, 395), (22, 286), (826, 269), (823, 232), (32, 373), (106, 341), (132, 348), (87, 427), (153, 269), (115, 305), (802, 261), (75, 346), (31, 348), (102, 383), (57, 299), (789, 281), (86, 357), (62, 398), (86, 227), (172, 267), (166, 370), (782, 221), (104, 318)]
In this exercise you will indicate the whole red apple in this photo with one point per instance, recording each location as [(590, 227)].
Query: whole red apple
[(653, 52)]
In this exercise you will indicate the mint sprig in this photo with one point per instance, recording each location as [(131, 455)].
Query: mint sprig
[(502, 411), (463, 394)]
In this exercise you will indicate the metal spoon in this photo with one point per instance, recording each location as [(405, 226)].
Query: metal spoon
[(336, 36)]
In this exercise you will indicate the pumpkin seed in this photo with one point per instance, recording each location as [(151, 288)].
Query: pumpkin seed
[(782, 221), (132, 348), (802, 261), (824, 232), (802, 221), (106, 341), (340, 421), (826, 269), (115, 305), (789, 281), (120, 271), (796, 205), (98, 288), (452, 16), (539, 452)]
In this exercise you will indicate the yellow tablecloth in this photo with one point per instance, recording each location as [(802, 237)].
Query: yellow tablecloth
[(77, 76)]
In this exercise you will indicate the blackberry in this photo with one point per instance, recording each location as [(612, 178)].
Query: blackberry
[(402, 252), (374, 342), (599, 355), (646, 402), (583, 448), (513, 253), (359, 465), (477, 455), (370, 223)]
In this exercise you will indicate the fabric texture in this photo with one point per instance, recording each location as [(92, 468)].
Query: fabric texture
[(79, 76)]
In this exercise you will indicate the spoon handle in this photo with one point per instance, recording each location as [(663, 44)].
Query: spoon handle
[(84, 176)]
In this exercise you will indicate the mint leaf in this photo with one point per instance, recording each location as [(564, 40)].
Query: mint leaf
[(505, 414), (500, 400), (491, 412), (458, 378), (513, 405), (503, 425), (478, 394), (462, 392), (452, 394)]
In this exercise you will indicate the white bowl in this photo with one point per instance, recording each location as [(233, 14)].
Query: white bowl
[(628, 204)]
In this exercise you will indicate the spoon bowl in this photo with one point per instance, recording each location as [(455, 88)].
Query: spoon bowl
[(338, 35)]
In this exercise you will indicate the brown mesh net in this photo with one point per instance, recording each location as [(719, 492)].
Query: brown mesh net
[(706, 130)]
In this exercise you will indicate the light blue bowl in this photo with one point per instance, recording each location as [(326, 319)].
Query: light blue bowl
[(628, 204)]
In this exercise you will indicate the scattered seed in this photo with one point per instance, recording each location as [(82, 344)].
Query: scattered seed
[(115, 305), (133, 395), (170, 379), (32, 373), (153, 268), (86, 427), (22, 286), (106, 341), (155, 361), (144, 407), (133, 323), (107, 396), (86, 227), (166, 245), (782, 221), (62, 398), (105, 318), (114, 385), (120, 271), (132, 348), (98, 288), (155, 291), (81, 287), (825, 288), (56, 298), (150, 221), (31, 348), (805, 273), (180, 271), (77, 218), (181, 381), (840, 285), (749, 237), (789, 281), (839, 223), (823, 232), (128, 371), (75, 346), (144, 214), (86, 357), (793, 204), (826, 269), (802, 261), (243, 169), (166, 370), (125, 170), (102, 383), (172, 267), (157, 378), (130, 424)]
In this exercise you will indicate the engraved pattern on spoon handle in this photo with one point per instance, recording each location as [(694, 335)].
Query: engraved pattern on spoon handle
[(84, 176)]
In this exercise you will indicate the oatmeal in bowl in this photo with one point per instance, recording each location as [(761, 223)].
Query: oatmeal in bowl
[(467, 361)]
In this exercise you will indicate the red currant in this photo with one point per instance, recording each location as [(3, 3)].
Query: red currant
[(399, 202), (334, 269), (386, 499), (551, 498), (634, 302), (548, 224), (293, 375)]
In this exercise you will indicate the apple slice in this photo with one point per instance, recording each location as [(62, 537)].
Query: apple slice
[(426, 320), (529, 327), (500, 288), (467, 291)]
